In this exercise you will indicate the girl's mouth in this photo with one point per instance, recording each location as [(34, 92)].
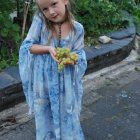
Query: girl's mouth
[(54, 17)]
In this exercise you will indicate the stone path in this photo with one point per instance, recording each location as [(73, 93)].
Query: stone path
[(115, 111)]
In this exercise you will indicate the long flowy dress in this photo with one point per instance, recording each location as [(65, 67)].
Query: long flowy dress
[(54, 98)]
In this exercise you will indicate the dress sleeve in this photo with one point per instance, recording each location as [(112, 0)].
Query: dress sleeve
[(78, 47), (25, 57)]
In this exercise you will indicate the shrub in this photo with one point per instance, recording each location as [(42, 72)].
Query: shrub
[(10, 33), (99, 16)]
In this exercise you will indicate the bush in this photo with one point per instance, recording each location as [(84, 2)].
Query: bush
[(100, 17), (10, 33), (132, 6)]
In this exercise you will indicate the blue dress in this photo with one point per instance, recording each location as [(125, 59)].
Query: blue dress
[(54, 98)]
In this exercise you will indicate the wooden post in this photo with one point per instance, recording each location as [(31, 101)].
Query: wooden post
[(26, 8)]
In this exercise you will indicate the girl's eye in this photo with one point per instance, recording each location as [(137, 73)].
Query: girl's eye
[(45, 9), (53, 4)]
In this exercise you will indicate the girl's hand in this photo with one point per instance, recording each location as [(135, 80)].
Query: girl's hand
[(52, 51), (71, 64)]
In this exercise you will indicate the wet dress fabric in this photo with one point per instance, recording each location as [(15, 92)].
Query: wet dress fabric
[(54, 98)]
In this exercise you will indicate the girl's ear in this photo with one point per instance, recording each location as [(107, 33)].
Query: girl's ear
[(66, 2)]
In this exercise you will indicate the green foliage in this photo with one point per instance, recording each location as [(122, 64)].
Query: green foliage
[(3, 64), (138, 29), (8, 29), (10, 33), (132, 6), (128, 5), (137, 69), (7, 5), (8, 57), (100, 17)]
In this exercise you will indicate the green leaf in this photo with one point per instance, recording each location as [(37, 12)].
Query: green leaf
[(15, 27), (8, 24), (4, 32), (137, 69), (138, 29)]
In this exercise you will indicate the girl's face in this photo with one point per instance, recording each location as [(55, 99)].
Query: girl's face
[(54, 10)]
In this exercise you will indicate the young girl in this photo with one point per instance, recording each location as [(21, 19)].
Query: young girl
[(54, 98)]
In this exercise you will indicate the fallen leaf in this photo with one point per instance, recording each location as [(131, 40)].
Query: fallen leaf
[(97, 47)]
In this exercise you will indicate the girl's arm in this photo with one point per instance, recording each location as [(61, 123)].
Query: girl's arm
[(32, 41), (39, 49)]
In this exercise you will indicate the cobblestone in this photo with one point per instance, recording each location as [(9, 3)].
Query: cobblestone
[(90, 98), (86, 114)]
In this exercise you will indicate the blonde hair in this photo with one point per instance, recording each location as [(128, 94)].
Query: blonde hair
[(49, 24)]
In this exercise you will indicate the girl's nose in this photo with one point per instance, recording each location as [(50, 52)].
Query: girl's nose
[(51, 11)]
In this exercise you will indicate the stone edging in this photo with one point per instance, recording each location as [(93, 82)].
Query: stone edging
[(111, 53)]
